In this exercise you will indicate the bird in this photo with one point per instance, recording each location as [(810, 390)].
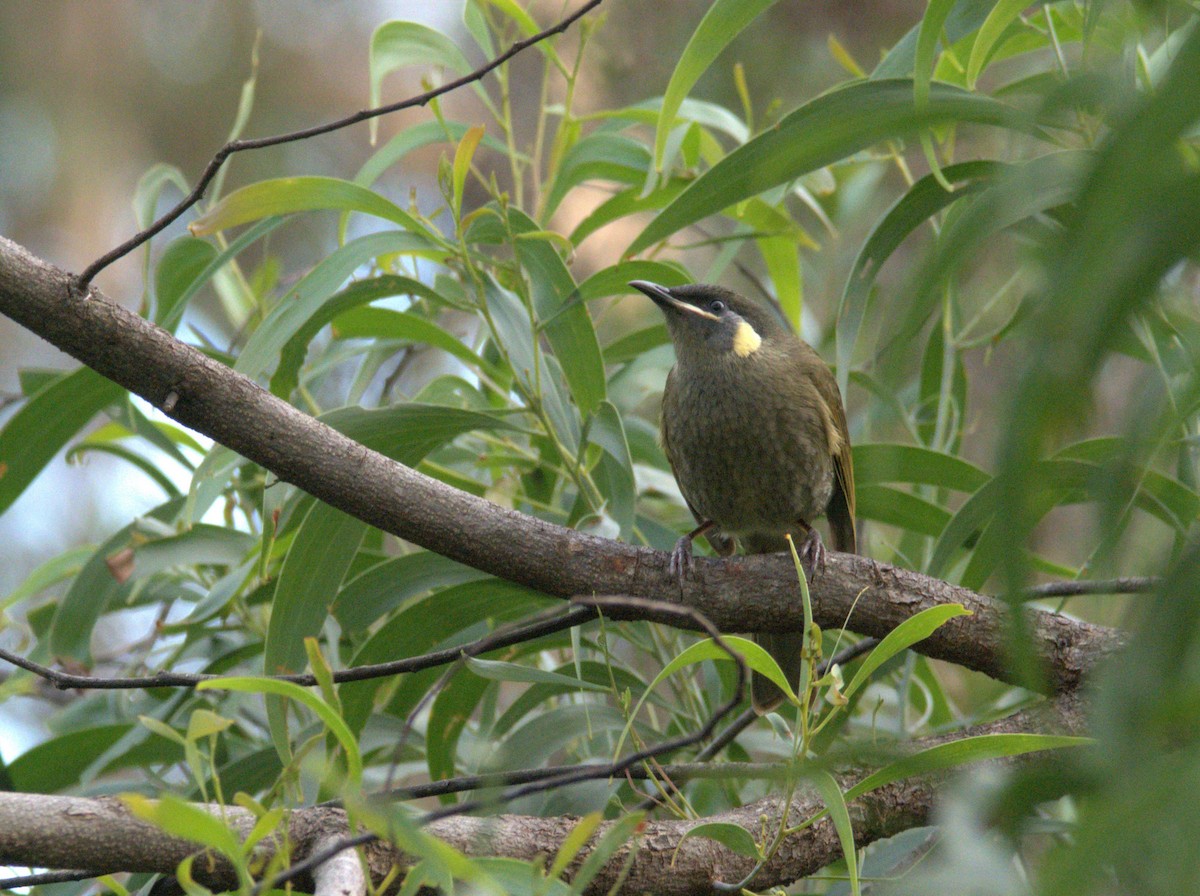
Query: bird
[(755, 431)]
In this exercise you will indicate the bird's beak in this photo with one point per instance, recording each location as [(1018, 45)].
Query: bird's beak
[(661, 296)]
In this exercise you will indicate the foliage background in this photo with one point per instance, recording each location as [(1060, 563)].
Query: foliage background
[(1042, 424)]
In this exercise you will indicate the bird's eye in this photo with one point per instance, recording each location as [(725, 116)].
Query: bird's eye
[(716, 307)]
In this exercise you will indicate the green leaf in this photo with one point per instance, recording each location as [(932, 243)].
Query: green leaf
[(900, 509), (361, 292), (287, 195), (383, 323), (328, 716), (60, 762), (395, 45), (906, 634), (180, 818), (561, 316), (965, 17), (149, 468), (599, 156), (57, 569), (149, 190), (614, 280), (1003, 14), (414, 138), (327, 541), (754, 656), (615, 469), (960, 752), (1024, 191), (927, 41), (513, 331), (181, 265), (835, 805), (387, 585), (240, 119), (39, 430), (723, 21), (495, 670), (94, 589), (823, 131), (146, 197), (733, 837), (620, 833), (881, 462), (204, 723), (532, 700), (169, 318), (575, 841), (777, 243), (449, 617), (585, 727), (200, 545), (1134, 220), (627, 202), (920, 203), (462, 165), (317, 561), (307, 297)]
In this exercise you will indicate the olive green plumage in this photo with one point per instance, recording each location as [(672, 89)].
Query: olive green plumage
[(755, 431)]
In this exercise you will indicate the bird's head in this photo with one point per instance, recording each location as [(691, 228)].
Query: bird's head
[(708, 321)]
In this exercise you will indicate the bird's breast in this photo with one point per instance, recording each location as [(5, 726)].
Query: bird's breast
[(748, 446)]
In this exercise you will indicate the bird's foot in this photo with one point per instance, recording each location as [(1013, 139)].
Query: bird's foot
[(682, 561), (812, 554)]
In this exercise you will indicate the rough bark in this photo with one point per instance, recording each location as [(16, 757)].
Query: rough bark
[(102, 834)]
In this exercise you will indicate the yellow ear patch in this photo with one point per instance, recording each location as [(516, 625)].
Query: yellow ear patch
[(746, 340)]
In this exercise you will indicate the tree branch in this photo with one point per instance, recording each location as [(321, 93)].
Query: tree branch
[(213, 399), (49, 831)]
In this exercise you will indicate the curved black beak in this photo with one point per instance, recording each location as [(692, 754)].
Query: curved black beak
[(662, 297)]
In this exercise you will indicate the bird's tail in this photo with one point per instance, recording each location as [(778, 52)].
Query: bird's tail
[(787, 648)]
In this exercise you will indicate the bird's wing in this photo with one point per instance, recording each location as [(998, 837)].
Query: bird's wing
[(840, 511)]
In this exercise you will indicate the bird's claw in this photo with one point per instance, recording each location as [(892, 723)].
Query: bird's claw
[(682, 561), (812, 554)]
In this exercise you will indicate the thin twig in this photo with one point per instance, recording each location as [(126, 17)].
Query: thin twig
[(47, 877), (234, 146), (547, 623), (847, 654), (634, 606), (1123, 585)]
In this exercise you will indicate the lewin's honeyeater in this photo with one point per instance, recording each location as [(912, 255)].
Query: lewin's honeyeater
[(755, 431)]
